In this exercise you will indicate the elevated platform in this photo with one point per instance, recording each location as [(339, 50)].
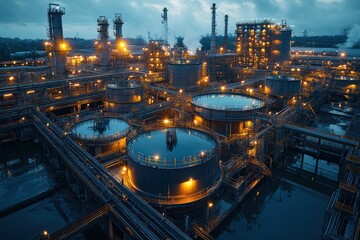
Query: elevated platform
[(329, 137)]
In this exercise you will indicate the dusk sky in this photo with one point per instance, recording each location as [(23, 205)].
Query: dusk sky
[(188, 18)]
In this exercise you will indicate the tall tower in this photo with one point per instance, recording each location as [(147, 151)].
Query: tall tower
[(226, 33), (213, 26), (118, 23), (164, 16), (57, 48), (103, 47)]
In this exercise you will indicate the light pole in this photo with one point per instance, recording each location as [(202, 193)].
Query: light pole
[(45, 235), (210, 205)]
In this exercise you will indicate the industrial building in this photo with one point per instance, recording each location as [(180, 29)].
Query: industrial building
[(168, 145), (262, 43), (56, 48)]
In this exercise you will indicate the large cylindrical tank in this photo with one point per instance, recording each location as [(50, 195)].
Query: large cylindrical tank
[(184, 75), (122, 96), (280, 45), (282, 86), (173, 166), (103, 134), (226, 113)]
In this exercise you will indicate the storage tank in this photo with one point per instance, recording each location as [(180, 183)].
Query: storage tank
[(184, 75), (280, 43), (103, 134), (123, 95), (173, 166), (226, 113), (282, 86)]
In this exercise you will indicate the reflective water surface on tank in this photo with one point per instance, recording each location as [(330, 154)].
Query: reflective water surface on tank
[(185, 142), (227, 102), (101, 127)]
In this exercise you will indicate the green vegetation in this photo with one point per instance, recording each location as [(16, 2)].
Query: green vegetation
[(206, 41), (320, 41), (9, 46)]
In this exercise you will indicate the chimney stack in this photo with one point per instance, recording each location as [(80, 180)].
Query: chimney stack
[(118, 23), (213, 25), (226, 33), (165, 22)]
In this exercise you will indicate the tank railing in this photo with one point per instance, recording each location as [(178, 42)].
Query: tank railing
[(93, 115), (248, 93), (113, 136), (209, 131), (177, 124), (55, 8), (132, 134), (236, 90), (236, 107), (127, 84), (233, 107), (187, 161), (112, 115), (171, 199)]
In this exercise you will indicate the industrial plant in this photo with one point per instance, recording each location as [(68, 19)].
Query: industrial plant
[(162, 143)]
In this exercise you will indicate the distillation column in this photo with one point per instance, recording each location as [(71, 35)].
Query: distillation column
[(118, 23), (213, 26), (103, 48), (164, 16), (57, 48)]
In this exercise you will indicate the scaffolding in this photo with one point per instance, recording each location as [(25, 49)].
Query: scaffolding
[(343, 207), (253, 43), (103, 44), (156, 55)]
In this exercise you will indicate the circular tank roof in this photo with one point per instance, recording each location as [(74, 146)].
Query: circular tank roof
[(345, 78), (101, 128), (124, 84), (184, 63), (283, 78), (172, 148), (227, 101)]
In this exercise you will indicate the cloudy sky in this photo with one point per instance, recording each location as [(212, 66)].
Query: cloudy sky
[(188, 18)]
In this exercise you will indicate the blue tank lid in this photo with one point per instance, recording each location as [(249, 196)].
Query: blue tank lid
[(172, 148)]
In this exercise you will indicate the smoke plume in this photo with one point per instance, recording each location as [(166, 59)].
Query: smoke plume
[(353, 37)]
